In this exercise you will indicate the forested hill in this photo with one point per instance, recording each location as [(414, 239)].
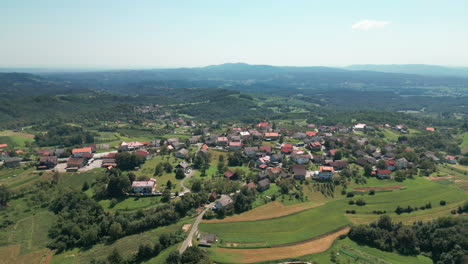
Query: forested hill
[(19, 85), (242, 76)]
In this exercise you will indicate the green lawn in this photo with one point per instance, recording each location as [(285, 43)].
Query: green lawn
[(147, 170), (292, 228), (132, 203), (464, 144), (76, 180)]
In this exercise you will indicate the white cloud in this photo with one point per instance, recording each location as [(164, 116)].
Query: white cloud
[(370, 24)]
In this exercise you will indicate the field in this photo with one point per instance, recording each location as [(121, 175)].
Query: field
[(264, 254), (464, 144), (147, 170), (283, 230), (243, 237)]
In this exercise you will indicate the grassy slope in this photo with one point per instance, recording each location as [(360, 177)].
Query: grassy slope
[(292, 228)]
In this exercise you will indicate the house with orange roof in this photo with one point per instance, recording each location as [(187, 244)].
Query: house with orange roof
[(326, 172), (78, 152)]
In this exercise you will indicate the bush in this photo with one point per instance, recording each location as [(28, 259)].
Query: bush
[(372, 192), (350, 194), (351, 202), (443, 203), (360, 202)]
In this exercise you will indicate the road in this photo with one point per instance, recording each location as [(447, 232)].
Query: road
[(190, 174), (188, 241)]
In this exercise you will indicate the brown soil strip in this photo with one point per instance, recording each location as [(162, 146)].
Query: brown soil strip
[(186, 227), (392, 187), (271, 210), (439, 178), (264, 254)]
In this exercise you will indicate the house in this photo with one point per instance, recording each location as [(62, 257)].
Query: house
[(207, 240), (315, 145), (73, 164), (103, 146), (271, 136), (251, 185), (194, 139), (263, 160), (326, 172), (391, 164), (263, 185), (155, 143), (430, 129), (223, 202), (106, 163), (126, 146), (3, 145), (299, 172), (264, 125), (47, 162), (222, 141), (359, 127), (183, 165), (144, 187), (451, 159), (339, 164), (212, 197), (235, 145), (92, 146), (287, 148), (311, 133), (78, 153), (183, 153), (230, 174), (12, 162), (402, 163), (177, 145), (431, 155), (144, 153), (266, 149), (278, 157), (384, 174), (332, 152), (300, 158), (250, 151)]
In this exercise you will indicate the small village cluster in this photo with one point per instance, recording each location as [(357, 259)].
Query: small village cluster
[(315, 154)]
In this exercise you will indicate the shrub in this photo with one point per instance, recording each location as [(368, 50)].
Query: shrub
[(443, 203), (350, 202), (350, 194), (360, 202), (372, 192)]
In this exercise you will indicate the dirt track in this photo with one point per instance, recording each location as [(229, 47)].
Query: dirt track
[(271, 210), (263, 254)]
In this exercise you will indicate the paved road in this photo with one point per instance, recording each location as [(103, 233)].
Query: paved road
[(188, 241)]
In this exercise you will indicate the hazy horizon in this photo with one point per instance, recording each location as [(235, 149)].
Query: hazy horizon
[(158, 34)]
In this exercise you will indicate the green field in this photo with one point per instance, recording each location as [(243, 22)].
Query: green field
[(147, 170), (292, 228), (15, 141), (464, 144)]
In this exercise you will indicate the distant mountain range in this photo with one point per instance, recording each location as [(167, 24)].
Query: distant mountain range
[(420, 69)]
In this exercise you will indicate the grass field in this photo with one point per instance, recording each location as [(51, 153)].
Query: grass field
[(464, 144), (15, 141), (288, 229)]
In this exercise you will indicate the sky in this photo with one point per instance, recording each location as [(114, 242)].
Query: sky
[(178, 33)]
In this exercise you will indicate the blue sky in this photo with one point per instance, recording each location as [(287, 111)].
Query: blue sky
[(153, 34)]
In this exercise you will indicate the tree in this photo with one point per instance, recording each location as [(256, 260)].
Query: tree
[(169, 184), (368, 170), (197, 186), (115, 230), (381, 164), (90, 237), (115, 257), (338, 155), (4, 195), (193, 255), (385, 222), (118, 186), (180, 174), (173, 258), (85, 186), (166, 195), (128, 161)]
